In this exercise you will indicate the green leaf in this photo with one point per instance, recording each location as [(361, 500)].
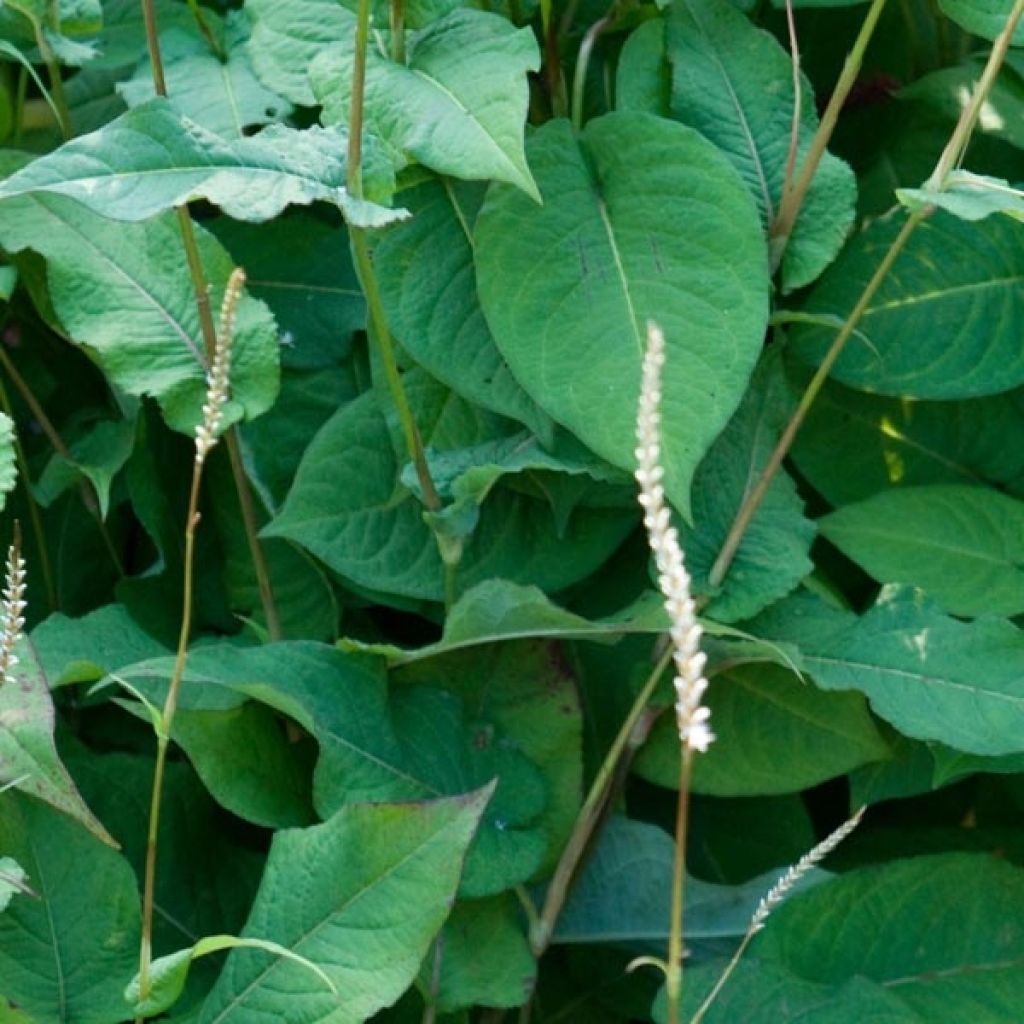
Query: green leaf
[(28, 755), (224, 96), (348, 508), (13, 882), (485, 958), (169, 974), (933, 677), (620, 894), (982, 17), (733, 83), (124, 292), (774, 554), (247, 764), (361, 896), (152, 159), (775, 733), (919, 941), (955, 288), (644, 76), (642, 218), (964, 546), (286, 37), (65, 957), (428, 287), (459, 104), (968, 196), (854, 445)]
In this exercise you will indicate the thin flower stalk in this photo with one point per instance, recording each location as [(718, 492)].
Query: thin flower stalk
[(12, 609), (774, 897), (692, 717)]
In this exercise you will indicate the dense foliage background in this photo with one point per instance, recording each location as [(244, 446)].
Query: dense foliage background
[(399, 694)]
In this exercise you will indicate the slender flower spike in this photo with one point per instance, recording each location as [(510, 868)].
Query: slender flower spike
[(684, 629), (778, 892), (12, 607), (219, 376)]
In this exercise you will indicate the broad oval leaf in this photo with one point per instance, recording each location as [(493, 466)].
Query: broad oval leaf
[(964, 546), (152, 159), (982, 17), (360, 896), (642, 218), (459, 104), (931, 676), (733, 82), (775, 733), (943, 324)]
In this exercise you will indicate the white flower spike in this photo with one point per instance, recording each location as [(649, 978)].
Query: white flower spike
[(12, 608)]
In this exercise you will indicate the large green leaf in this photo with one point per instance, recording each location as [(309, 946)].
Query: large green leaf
[(428, 286), (66, 956), (955, 290), (459, 104), (854, 445), (124, 292), (933, 677), (964, 546), (775, 733), (642, 218), (982, 17), (288, 34), (348, 508), (361, 896), (28, 756), (773, 556), (927, 940), (733, 82), (223, 96), (152, 159)]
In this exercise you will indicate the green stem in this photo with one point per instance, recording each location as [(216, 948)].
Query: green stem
[(216, 47), (19, 105), (794, 128), (60, 99), (163, 740), (674, 963), (202, 297), (397, 12), (367, 275), (723, 977), (591, 812), (755, 496), (793, 198)]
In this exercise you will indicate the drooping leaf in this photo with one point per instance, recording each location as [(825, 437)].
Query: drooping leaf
[(124, 292), (854, 445), (288, 35), (733, 82), (773, 556), (968, 196), (224, 96), (348, 508), (360, 896), (28, 756), (152, 159), (964, 546), (933, 677), (775, 733), (642, 218), (457, 106), (428, 287), (955, 289), (66, 956)]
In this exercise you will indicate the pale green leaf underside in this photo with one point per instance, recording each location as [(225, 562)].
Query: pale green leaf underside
[(360, 896), (459, 105), (945, 321), (962, 545), (931, 676), (151, 159), (642, 218)]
